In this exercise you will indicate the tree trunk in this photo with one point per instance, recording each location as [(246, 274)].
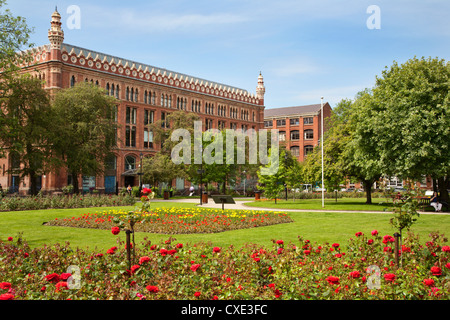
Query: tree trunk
[(76, 188), (33, 186), (368, 189), (442, 186)]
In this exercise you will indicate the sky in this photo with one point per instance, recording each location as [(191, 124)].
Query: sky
[(305, 49)]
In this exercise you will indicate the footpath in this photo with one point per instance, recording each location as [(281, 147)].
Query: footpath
[(240, 205)]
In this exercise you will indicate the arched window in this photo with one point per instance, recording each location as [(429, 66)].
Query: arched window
[(72, 81), (130, 163), (136, 95), (295, 135), (295, 151), (117, 91), (112, 90), (307, 150), (127, 94), (309, 134), (107, 88)]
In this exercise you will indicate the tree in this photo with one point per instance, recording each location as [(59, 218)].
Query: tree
[(407, 120), (26, 127), (273, 184), (159, 168), (84, 129), (343, 157)]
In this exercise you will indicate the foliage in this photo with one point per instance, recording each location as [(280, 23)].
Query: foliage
[(39, 202), (84, 129), (172, 270), (407, 119), (26, 129), (273, 184)]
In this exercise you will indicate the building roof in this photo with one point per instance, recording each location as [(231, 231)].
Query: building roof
[(292, 111)]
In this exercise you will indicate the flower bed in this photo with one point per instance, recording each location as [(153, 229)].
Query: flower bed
[(362, 269), (63, 201), (178, 220)]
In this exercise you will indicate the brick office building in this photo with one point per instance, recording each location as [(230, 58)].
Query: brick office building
[(299, 127), (145, 94)]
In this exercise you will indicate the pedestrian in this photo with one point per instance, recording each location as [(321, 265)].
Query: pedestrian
[(129, 190), (191, 191), (434, 202)]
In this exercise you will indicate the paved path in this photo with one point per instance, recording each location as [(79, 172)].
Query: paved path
[(241, 206)]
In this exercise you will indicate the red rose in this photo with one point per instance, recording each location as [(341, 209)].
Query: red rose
[(280, 241), (172, 252), (153, 289), (428, 282), (446, 248), (332, 280), (216, 249), (5, 285), (389, 277), (163, 252), (335, 245), (179, 245), (115, 230), (146, 190), (374, 232), (436, 271), (370, 241), (54, 278), (10, 239), (153, 247), (144, 259), (355, 274), (358, 234), (197, 294), (195, 266), (6, 296), (61, 285), (134, 268), (64, 276)]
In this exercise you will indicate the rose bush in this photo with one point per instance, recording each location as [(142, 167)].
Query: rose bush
[(172, 270)]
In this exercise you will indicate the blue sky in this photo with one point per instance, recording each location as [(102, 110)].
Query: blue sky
[(305, 49)]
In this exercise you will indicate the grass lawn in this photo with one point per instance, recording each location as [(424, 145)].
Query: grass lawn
[(343, 204), (318, 227)]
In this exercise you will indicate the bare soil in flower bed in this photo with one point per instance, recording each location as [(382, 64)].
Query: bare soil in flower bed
[(177, 220)]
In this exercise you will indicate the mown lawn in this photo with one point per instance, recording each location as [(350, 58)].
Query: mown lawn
[(320, 227), (342, 204)]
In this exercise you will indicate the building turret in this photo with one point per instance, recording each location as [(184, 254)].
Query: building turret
[(260, 89), (55, 33)]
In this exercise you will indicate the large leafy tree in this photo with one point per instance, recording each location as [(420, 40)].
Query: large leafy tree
[(84, 129), (26, 127), (407, 120)]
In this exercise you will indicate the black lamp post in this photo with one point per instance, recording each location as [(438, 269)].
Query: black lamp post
[(140, 174), (201, 171)]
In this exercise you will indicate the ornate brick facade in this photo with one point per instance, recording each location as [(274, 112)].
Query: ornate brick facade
[(145, 94)]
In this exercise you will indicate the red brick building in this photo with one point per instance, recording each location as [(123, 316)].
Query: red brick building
[(299, 127), (145, 94)]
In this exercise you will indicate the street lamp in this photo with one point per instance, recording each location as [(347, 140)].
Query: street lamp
[(245, 179), (321, 140), (140, 173), (200, 172)]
